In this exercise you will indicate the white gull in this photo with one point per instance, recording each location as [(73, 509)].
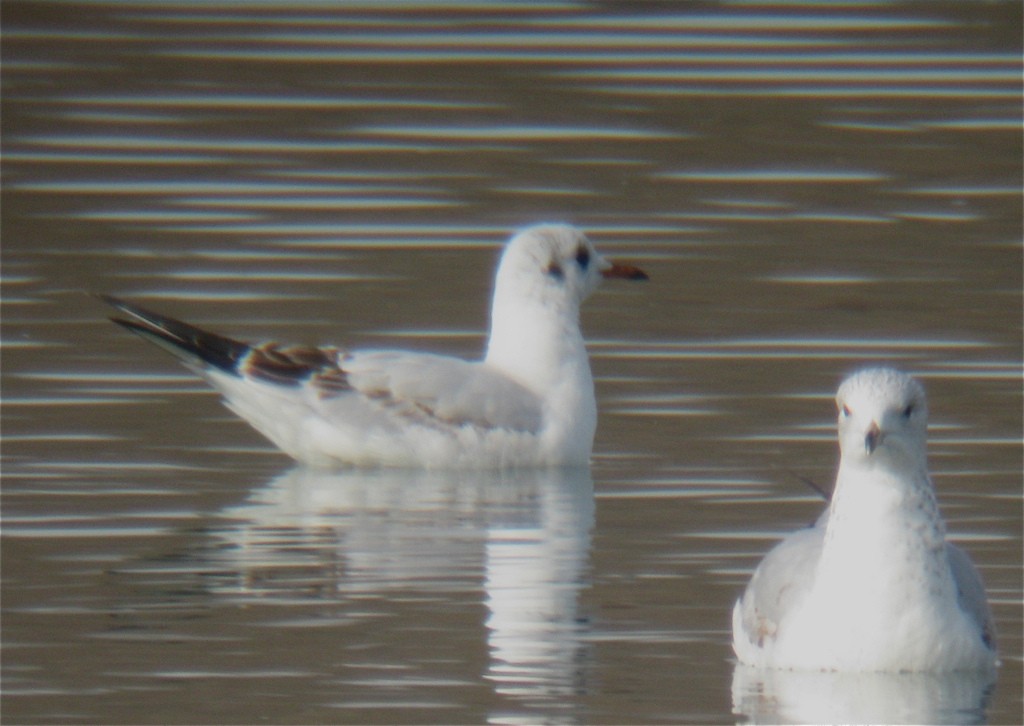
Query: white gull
[(529, 402), (874, 585)]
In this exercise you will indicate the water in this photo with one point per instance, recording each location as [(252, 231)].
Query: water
[(810, 185)]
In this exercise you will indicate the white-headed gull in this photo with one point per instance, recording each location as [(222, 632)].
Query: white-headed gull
[(874, 585), (529, 402)]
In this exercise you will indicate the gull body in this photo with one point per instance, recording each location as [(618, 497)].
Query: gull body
[(529, 402), (873, 585)]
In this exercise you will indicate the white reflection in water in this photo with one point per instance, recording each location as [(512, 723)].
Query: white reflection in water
[(775, 348), (375, 532), (197, 99), (777, 696), (534, 574)]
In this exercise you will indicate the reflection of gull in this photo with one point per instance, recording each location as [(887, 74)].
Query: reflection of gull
[(389, 530), (768, 695), (529, 402), (873, 586), (534, 573), (369, 530)]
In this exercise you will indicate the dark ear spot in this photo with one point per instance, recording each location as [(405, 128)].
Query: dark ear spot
[(582, 257), (556, 271)]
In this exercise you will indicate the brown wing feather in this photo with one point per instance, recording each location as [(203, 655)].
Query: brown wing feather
[(295, 365)]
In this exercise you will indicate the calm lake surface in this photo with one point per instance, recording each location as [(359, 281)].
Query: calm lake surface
[(811, 187)]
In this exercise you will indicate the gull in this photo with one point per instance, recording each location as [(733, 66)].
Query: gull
[(528, 402), (873, 585)]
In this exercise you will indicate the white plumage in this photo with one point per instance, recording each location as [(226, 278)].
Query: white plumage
[(874, 585), (529, 402)]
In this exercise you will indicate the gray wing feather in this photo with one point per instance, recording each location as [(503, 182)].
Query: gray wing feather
[(971, 592), (448, 390), (780, 582)]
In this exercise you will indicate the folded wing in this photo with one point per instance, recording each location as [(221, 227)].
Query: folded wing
[(445, 390), (429, 389), (781, 580)]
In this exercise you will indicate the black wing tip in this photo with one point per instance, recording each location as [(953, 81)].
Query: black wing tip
[(129, 325), (116, 302), (192, 345), (136, 311)]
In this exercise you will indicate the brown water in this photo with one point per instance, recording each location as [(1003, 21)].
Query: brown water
[(810, 185)]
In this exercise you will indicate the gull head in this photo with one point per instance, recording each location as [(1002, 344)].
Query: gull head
[(556, 263), (883, 418)]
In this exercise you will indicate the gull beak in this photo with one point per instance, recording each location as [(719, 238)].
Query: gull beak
[(873, 438), (623, 272)]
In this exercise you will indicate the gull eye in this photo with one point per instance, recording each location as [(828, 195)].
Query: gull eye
[(582, 257), (556, 271), (846, 411)]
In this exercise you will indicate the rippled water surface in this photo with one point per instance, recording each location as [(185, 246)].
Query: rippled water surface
[(811, 186)]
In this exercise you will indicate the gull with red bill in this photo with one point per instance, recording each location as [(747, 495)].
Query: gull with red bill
[(528, 402)]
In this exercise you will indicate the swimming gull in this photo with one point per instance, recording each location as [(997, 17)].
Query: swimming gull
[(873, 585), (529, 402)]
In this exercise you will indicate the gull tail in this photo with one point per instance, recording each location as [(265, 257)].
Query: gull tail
[(282, 365), (193, 346)]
